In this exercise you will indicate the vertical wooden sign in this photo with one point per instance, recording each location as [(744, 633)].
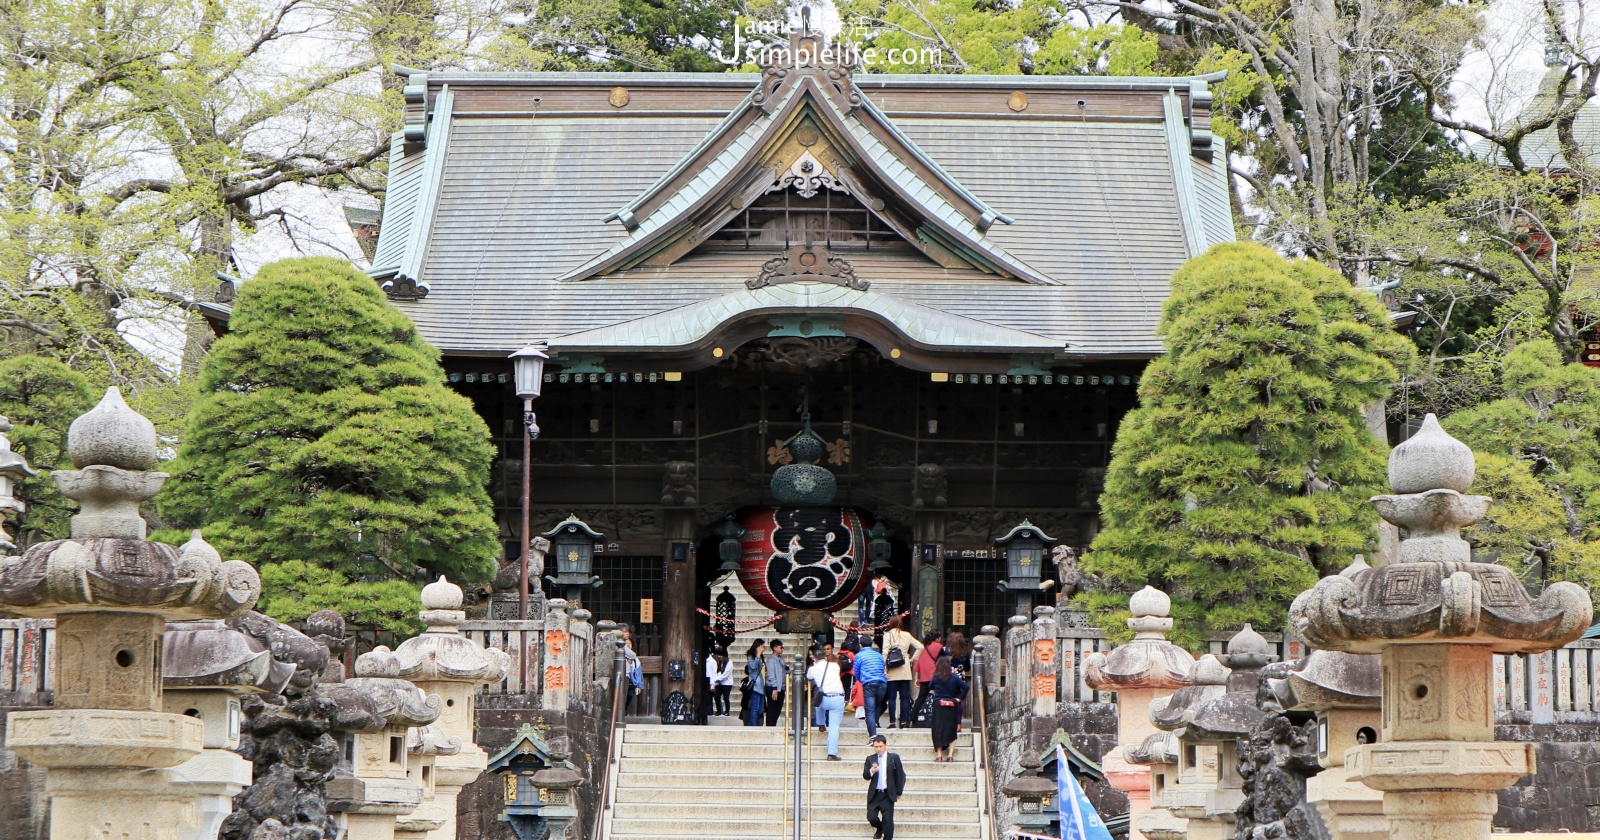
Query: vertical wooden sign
[(958, 613), (647, 611)]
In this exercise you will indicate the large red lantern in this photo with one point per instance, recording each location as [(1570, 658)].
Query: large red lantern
[(803, 558)]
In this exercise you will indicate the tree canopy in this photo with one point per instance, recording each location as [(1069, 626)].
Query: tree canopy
[(42, 397), (1243, 474), (324, 433)]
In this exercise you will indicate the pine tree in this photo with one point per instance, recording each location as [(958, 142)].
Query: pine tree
[(1538, 452), (42, 397), (323, 432), (1244, 472)]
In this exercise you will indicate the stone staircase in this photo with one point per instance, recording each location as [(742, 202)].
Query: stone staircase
[(732, 783)]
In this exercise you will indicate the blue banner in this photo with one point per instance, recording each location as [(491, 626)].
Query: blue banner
[(1079, 820)]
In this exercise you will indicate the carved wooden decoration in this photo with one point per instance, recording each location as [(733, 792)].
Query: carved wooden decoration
[(619, 97), (1017, 101), (808, 263)]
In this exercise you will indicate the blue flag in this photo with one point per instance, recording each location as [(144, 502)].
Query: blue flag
[(1079, 820)]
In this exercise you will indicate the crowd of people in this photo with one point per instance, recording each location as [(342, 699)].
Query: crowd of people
[(866, 676)]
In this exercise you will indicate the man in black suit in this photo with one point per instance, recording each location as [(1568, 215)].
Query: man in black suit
[(886, 778)]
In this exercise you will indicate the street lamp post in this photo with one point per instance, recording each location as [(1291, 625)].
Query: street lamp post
[(529, 368)]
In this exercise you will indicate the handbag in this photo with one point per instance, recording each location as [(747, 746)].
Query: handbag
[(895, 659)]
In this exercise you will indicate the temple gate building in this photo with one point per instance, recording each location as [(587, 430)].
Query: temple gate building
[(952, 281)]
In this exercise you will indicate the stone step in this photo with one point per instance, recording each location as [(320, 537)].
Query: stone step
[(903, 813), (697, 815), (778, 797), (656, 734), (816, 829), (903, 827), (730, 785), (739, 752)]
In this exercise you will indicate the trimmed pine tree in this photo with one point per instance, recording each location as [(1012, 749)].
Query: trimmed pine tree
[(1244, 473), (324, 433)]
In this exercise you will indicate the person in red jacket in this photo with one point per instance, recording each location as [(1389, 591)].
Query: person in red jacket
[(932, 647)]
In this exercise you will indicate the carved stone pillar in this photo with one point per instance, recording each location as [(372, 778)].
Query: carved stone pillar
[(557, 679), (108, 742), (1147, 668), (441, 661), (1436, 617)]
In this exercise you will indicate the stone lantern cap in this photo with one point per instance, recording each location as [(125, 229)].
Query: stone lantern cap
[(127, 575), (1235, 713), (1178, 709), (431, 740), (1330, 679), (1149, 661), (11, 463), (1029, 785), (288, 646), (210, 654), (376, 698), (1156, 748), (1434, 592), (442, 653)]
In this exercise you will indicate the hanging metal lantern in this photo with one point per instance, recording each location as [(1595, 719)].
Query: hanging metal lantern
[(729, 549), (803, 559), (879, 550), (804, 483)]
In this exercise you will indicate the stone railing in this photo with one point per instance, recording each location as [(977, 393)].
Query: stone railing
[(1558, 686), (27, 655)]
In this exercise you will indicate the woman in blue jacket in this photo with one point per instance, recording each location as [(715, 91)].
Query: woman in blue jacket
[(754, 688)]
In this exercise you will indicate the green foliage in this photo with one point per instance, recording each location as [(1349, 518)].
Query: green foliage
[(140, 140), (324, 433), (616, 35), (42, 397), (1538, 453), (293, 590), (976, 36), (1244, 472)]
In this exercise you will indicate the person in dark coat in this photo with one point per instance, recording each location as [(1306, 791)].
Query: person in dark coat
[(886, 781), (948, 691)]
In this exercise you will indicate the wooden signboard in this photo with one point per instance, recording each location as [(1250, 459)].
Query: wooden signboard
[(647, 611), (958, 613)]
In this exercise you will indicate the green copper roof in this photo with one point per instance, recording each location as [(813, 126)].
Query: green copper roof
[(690, 325)]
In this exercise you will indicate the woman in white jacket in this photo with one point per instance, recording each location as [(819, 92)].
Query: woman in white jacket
[(719, 677), (825, 676)]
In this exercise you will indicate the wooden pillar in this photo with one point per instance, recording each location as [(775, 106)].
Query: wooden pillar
[(677, 615)]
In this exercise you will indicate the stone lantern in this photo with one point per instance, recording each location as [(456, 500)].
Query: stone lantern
[(573, 543), (1033, 793), (442, 661), (13, 468), (426, 746), (1183, 774), (1436, 618), (206, 667), (1147, 668), (376, 709), (1219, 724), (1024, 547), (1343, 690), (108, 740)]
